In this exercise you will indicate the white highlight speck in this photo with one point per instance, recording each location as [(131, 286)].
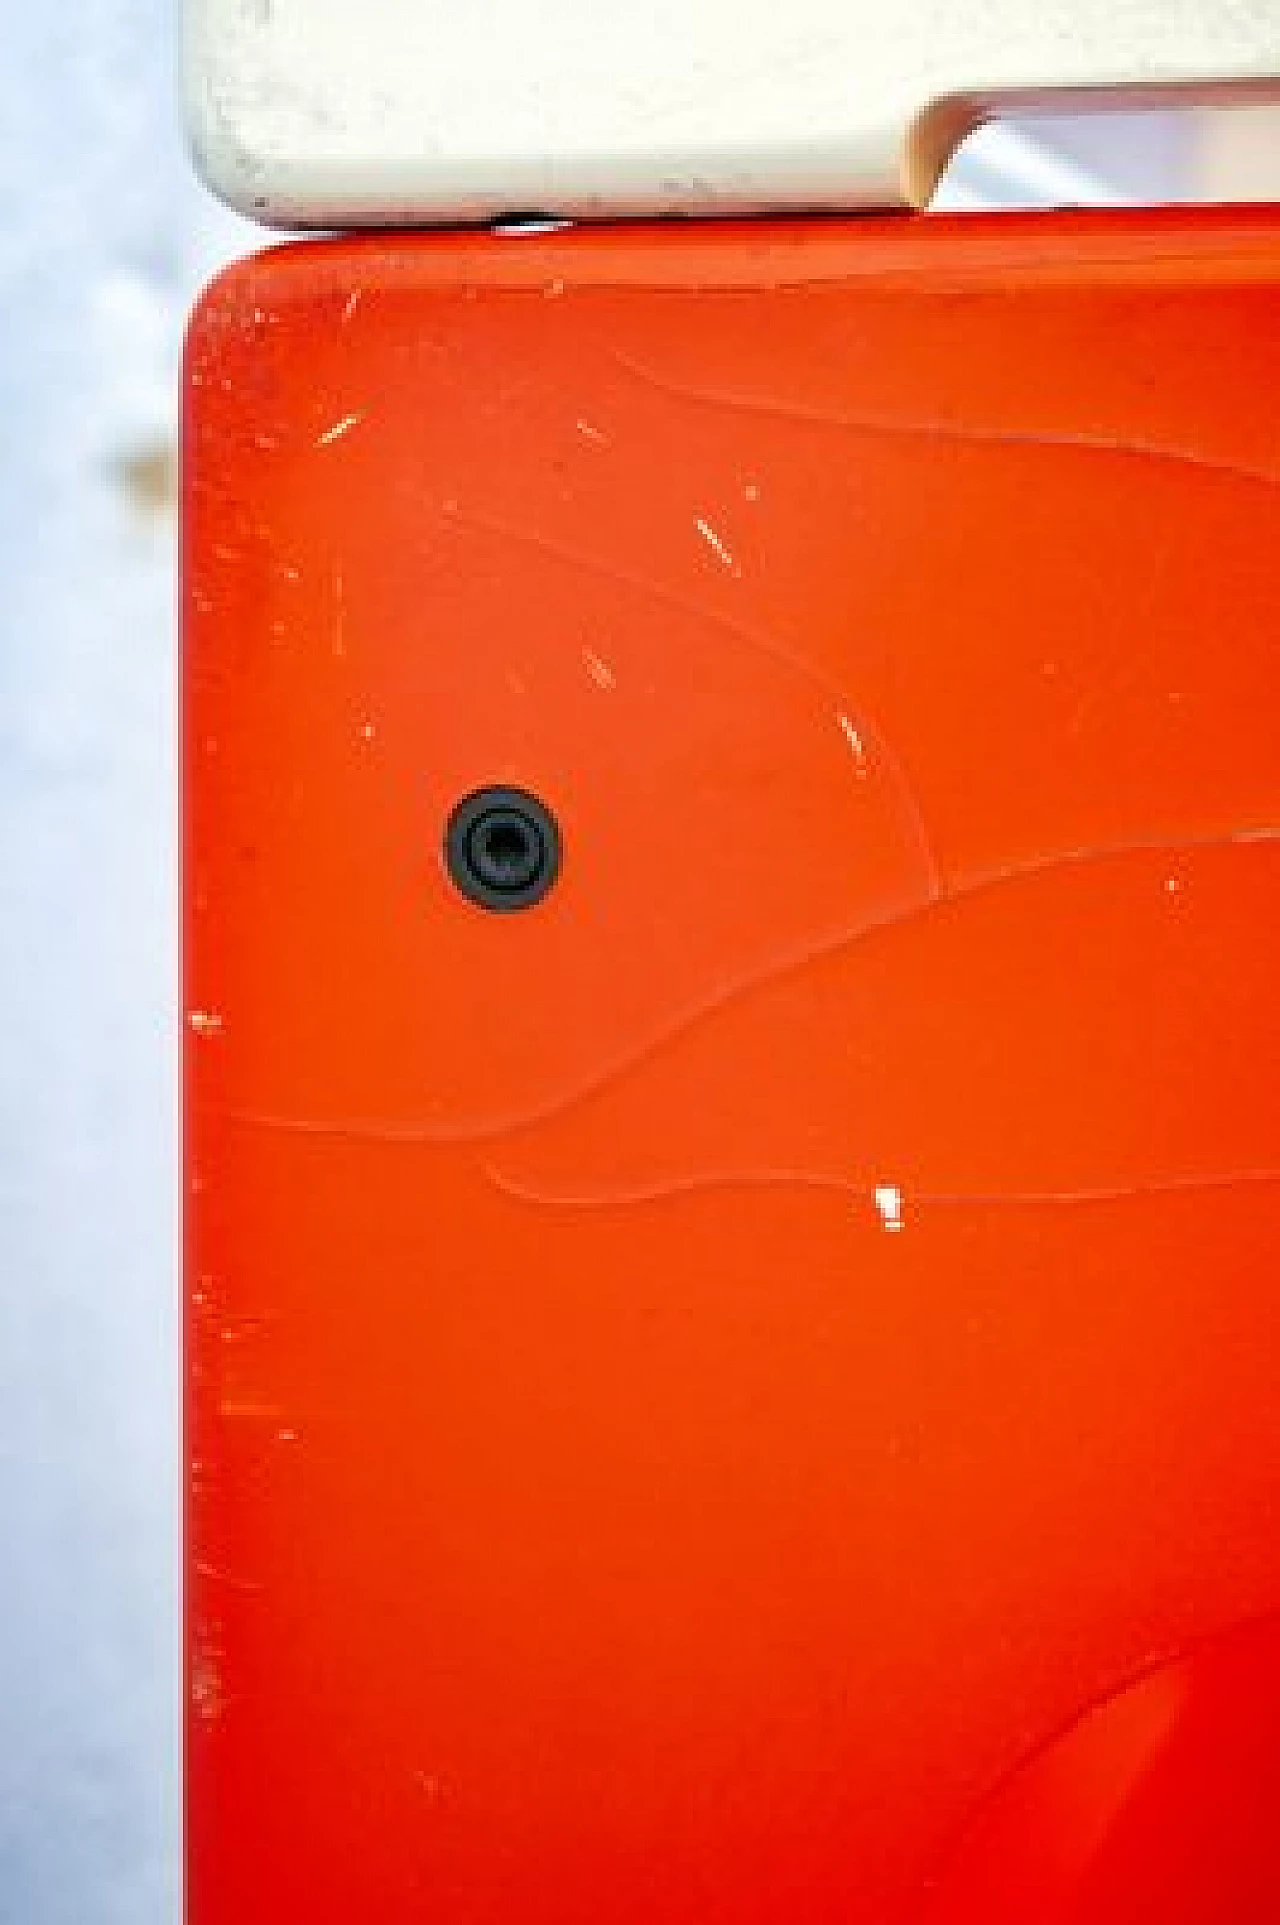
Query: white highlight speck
[(204, 1022), (598, 669), (715, 543), (339, 428), (855, 742), (367, 731), (1172, 886), (889, 1205), (751, 492), (516, 230), (591, 433), (353, 302)]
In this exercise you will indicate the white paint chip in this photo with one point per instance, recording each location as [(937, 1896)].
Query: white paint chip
[(716, 544), (889, 1206), (599, 670), (339, 428), (854, 739)]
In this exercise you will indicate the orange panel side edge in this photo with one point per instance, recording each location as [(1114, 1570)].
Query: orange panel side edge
[(748, 1391)]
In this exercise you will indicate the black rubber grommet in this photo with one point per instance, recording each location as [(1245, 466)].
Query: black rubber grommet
[(502, 849)]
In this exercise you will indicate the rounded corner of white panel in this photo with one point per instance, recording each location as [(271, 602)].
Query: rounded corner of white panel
[(344, 113)]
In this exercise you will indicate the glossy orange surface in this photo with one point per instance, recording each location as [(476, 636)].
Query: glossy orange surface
[(693, 1388)]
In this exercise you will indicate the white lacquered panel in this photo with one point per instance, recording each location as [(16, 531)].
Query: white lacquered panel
[(353, 112)]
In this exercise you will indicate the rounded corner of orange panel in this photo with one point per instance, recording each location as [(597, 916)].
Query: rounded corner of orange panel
[(699, 1379)]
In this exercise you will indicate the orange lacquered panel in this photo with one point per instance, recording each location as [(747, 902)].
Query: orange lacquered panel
[(748, 1392)]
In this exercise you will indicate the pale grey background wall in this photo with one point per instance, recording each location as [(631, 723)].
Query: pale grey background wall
[(103, 239), (102, 236)]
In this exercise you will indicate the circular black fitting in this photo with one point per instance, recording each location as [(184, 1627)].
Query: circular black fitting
[(502, 848)]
